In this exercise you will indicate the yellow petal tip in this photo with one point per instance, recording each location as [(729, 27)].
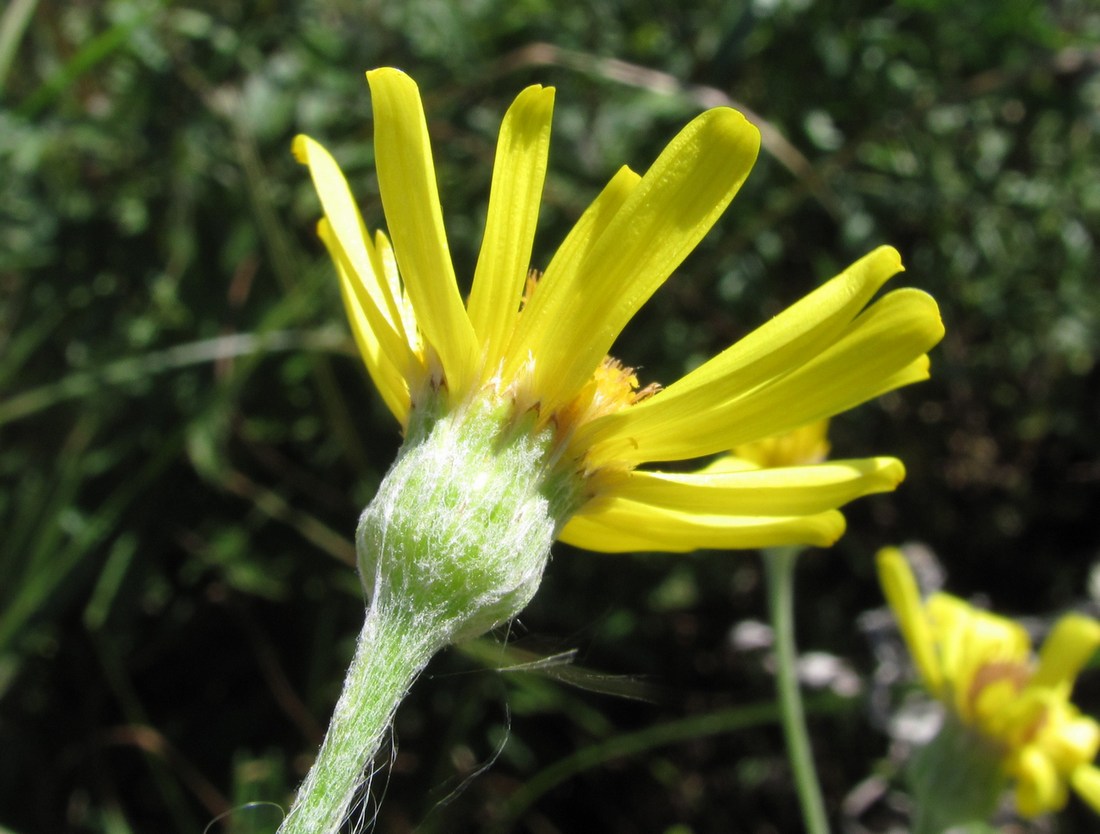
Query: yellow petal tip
[(383, 72), (833, 526), (300, 148), (726, 126), (891, 257), (892, 472)]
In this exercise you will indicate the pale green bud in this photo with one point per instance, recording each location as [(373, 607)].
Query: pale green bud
[(459, 533)]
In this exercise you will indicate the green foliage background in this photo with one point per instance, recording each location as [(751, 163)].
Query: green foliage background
[(187, 436)]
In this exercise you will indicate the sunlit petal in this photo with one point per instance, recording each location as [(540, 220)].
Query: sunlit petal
[(887, 338), (1086, 782), (406, 179), (1071, 738), (348, 235), (616, 525), (564, 266), (578, 315), (1038, 788), (783, 491), (900, 588), (388, 358), (387, 266), (1069, 647), (518, 174), (790, 339)]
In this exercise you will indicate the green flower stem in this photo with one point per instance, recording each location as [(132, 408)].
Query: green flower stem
[(454, 543), (779, 567), (389, 655)]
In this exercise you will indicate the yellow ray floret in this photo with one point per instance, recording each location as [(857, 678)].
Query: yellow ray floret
[(406, 179), (518, 175), (665, 215), (535, 345)]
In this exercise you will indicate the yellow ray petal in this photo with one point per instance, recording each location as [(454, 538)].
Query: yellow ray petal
[(792, 338), (349, 235), (394, 347), (571, 252), (971, 641), (616, 525), (887, 338), (387, 267), (1086, 781), (915, 371), (366, 325), (1039, 789), (1069, 738), (950, 620), (518, 174), (591, 534), (579, 311), (900, 589), (781, 491), (1066, 650), (730, 463), (406, 178)]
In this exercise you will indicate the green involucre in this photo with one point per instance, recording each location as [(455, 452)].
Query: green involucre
[(460, 531)]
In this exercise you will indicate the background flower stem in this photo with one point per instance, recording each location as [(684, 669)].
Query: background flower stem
[(779, 568)]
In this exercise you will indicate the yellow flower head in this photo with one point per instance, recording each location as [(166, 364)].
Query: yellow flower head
[(982, 668), (537, 345)]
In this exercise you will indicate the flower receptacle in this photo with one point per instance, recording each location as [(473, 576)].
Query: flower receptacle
[(459, 533)]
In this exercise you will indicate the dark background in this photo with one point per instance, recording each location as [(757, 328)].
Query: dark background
[(187, 436)]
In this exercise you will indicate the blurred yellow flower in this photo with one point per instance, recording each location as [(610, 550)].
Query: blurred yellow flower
[(807, 444), (535, 347), (982, 668)]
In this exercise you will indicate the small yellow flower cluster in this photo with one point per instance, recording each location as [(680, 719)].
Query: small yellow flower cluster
[(981, 667)]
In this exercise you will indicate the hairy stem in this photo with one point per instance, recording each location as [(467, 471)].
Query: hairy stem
[(454, 542), (390, 653)]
